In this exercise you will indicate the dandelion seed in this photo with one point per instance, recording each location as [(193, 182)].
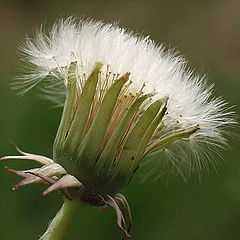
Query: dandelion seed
[(127, 102)]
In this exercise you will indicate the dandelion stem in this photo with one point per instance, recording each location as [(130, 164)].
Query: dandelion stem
[(62, 221)]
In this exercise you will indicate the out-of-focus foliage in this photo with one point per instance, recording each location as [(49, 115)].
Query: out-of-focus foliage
[(208, 34)]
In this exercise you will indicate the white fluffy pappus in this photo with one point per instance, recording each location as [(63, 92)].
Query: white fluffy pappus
[(163, 72)]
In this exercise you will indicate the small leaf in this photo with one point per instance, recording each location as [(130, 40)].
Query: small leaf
[(89, 149), (163, 142), (49, 170), (148, 135), (68, 111), (82, 113), (104, 163), (120, 171), (29, 156), (120, 218), (124, 202), (67, 181)]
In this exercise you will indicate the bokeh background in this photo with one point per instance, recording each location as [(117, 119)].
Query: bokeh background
[(207, 33)]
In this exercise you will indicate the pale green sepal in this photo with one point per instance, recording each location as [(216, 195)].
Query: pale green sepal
[(111, 148), (104, 163), (82, 113), (89, 149), (120, 171), (171, 138), (148, 135), (68, 111)]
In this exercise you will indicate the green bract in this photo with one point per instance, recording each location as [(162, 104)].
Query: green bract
[(101, 140)]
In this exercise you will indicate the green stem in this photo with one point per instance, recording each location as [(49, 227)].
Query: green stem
[(61, 222)]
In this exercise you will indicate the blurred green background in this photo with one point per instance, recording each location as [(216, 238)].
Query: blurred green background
[(207, 32)]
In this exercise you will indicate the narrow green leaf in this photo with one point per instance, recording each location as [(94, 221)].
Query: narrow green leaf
[(107, 157), (89, 149), (71, 93), (82, 113), (104, 164), (148, 135), (120, 171), (171, 138)]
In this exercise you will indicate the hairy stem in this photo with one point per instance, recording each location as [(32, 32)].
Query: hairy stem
[(62, 221)]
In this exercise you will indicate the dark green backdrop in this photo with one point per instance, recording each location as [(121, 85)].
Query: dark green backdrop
[(208, 34)]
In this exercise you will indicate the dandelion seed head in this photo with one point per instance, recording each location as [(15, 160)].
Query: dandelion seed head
[(162, 73)]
